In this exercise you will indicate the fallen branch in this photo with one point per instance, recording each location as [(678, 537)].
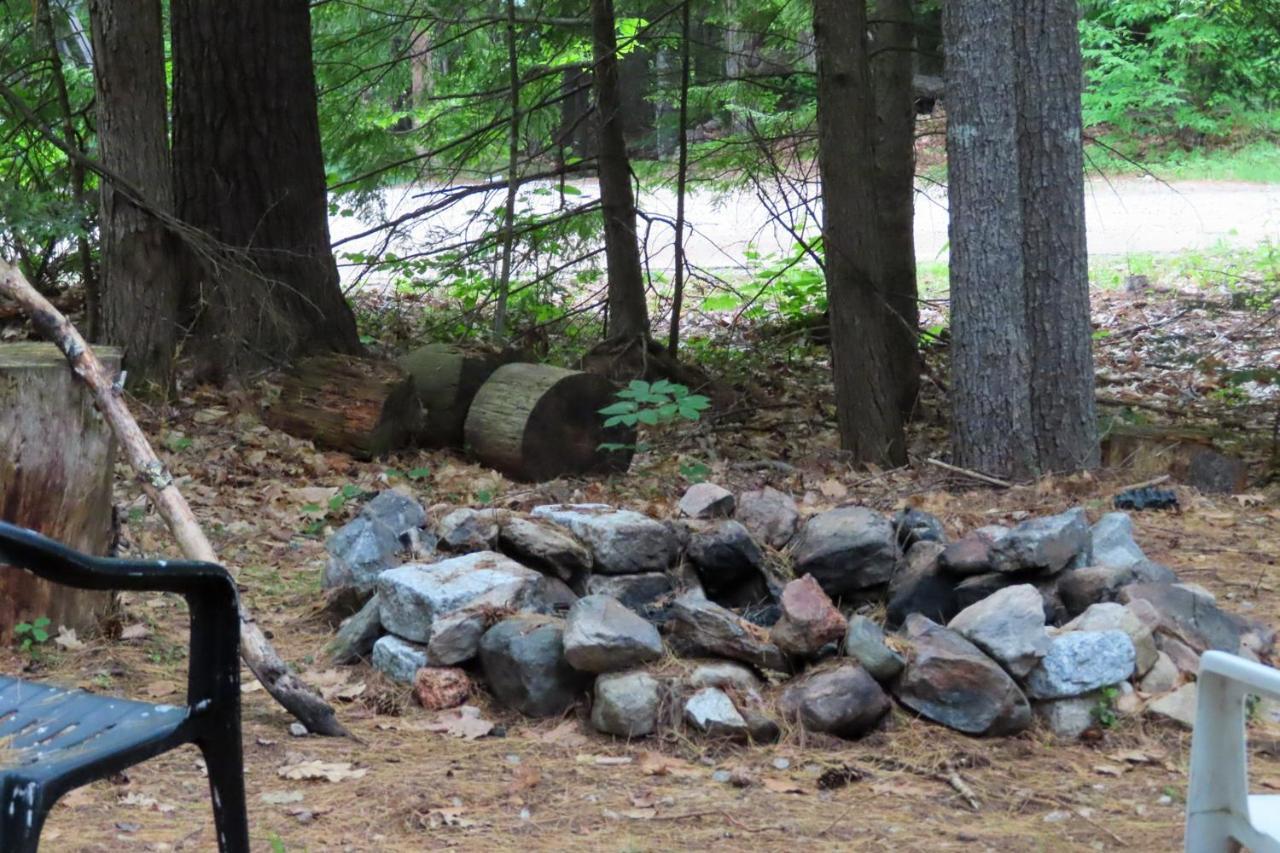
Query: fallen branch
[(276, 676), (976, 475), (1154, 481)]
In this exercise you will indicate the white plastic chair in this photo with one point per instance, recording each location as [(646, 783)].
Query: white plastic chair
[(1221, 815)]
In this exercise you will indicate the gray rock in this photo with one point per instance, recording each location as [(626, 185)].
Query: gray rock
[(975, 588), (1082, 588), (1070, 718), (414, 595), (1113, 542), (724, 675), (1198, 590), (1185, 658), (915, 525), (621, 542), (545, 547), (950, 681), (1110, 616), (1162, 677), (968, 556), (706, 628), (626, 704), (921, 586), (993, 532), (707, 500), (1178, 707), (465, 530), (713, 713), (357, 634), (1047, 544), (761, 728), (554, 596), (847, 549), (725, 557), (638, 592), (1081, 662), (398, 659), (397, 511), (524, 663), (1008, 626), (809, 621), (359, 552), (865, 643), (601, 635), (1189, 617), (769, 515), (455, 637), (1145, 571), (843, 700)]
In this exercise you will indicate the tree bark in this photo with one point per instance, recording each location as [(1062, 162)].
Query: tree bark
[(447, 379), (990, 360), (682, 177), (893, 41), (248, 170), (140, 277), (868, 403), (1055, 254), (628, 309)]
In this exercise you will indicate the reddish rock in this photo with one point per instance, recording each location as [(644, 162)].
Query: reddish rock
[(438, 687), (809, 620), (968, 556)]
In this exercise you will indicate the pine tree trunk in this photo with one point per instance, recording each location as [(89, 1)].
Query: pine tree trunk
[(868, 405), (893, 39), (248, 169), (628, 310), (140, 289), (1055, 254), (990, 360)]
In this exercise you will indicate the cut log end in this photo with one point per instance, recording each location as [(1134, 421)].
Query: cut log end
[(447, 379), (537, 422)]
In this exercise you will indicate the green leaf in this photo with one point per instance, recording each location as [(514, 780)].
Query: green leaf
[(638, 386), (40, 635), (621, 408), (350, 490), (337, 502), (419, 473), (41, 622), (648, 416)]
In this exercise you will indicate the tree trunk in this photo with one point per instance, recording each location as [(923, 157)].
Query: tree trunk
[(868, 404), (682, 177), (57, 456), (536, 422), (1055, 254), (990, 362), (248, 170), (356, 405), (447, 379), (893, 40), (628, 310), (140, 279)]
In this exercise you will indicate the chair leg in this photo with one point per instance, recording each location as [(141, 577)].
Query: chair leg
[(22, 817), (222, 757)]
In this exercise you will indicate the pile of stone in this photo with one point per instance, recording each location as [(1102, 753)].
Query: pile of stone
[(738, 617)]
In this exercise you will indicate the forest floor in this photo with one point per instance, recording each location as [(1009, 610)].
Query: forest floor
[(265, 499)]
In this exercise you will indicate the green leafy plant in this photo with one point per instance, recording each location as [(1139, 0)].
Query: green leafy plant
[(694, 471), (652, 404), (31, 635), (1105, 710)]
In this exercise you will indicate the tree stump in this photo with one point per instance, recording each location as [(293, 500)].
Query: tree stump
[(447, 379), (536, 422), (359, 406), (57, 456)]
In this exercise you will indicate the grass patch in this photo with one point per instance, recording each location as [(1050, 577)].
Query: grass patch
[(1257, 161), (1219, 267)]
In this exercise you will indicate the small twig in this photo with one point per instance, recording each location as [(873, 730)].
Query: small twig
[(976, 475), (952, 778), (1154, 481)]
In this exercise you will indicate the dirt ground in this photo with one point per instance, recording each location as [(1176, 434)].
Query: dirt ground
[(554, 784)]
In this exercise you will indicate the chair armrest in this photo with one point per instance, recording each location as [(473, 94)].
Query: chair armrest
[(1260, 679)]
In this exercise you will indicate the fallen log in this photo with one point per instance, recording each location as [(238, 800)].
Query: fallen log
[(447, 379), (277, 677), (536, 422), (359, 406), (56, 459)]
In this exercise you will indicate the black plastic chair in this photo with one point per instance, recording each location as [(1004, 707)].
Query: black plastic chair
[(54, 739)]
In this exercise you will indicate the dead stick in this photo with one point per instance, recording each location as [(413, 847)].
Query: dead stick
[(977, 475), (299, 698), (1154, 481)]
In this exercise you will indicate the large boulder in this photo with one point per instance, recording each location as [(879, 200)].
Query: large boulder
[(626, 704), (1080, 662), (704, 627), (398, 659), (712, 712), (842, 700), (725, 557), (707, 500), (921, 586), (865, 643), (360, 551), (357, 634), (1047, 544), (1008, 626), (1189, 617), (622, 542), (1113, 543), (1110, 616), (950, 681), (809, 620), (545, 547), (601, 635), (524, 663), (847, 550), (414, 595), (640, 593), (769, 515)]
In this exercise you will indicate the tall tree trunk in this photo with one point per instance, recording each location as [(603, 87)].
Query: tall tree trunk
[(513, 176), (990, 361), (1055, 254), (682, 177), (140, 278), (868, 405), (248, 170), (628, 310), (893, 40)]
